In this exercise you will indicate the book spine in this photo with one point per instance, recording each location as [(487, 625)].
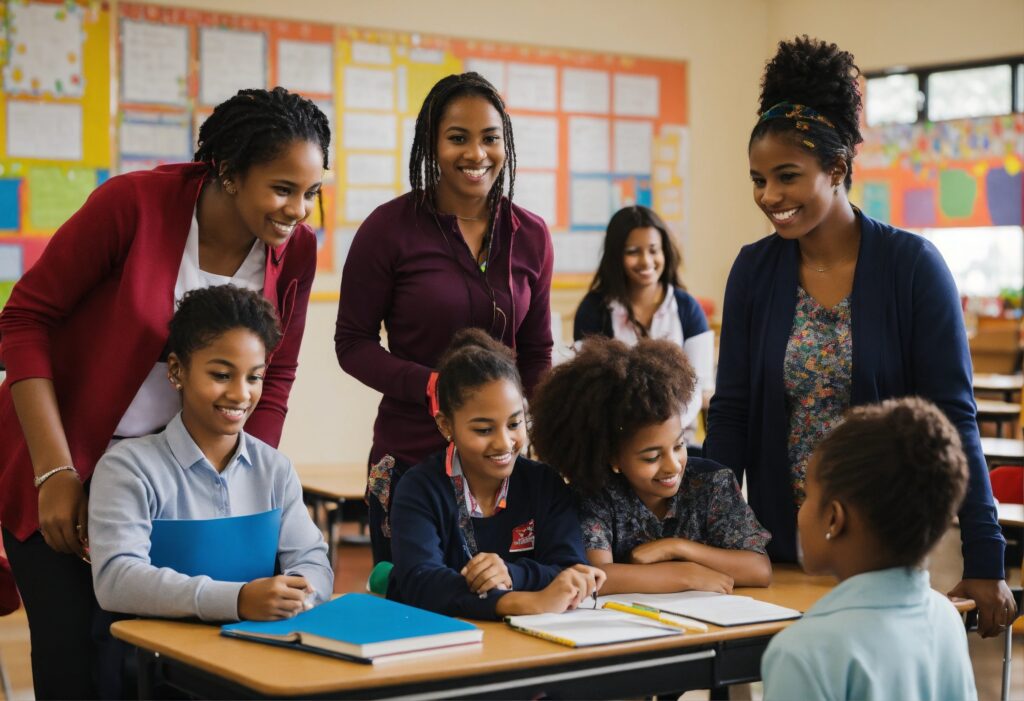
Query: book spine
[(546, 636)]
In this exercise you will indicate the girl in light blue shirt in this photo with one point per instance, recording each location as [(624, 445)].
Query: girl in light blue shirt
[(882, 488), (204, 466)]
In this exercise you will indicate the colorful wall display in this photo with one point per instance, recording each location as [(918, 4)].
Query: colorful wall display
[(960, 173), (593, 131)]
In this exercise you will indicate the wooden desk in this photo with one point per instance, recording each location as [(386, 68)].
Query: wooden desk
[(196, 659), (326, 487), (1006, 386), (1000, 413), (1003, 450), (1011, 515)]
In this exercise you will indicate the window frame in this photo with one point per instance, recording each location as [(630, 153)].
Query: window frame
[(1015, 62)]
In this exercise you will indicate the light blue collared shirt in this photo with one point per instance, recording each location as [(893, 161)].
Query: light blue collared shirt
[(166, 476), (878, 635)]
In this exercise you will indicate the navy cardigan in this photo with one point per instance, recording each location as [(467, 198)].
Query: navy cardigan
[(429, 550), (593, 316), (908, 339)]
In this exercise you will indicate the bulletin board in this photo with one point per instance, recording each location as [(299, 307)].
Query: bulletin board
[(960, 173), (96, 88), (593, 132), (55, 137)]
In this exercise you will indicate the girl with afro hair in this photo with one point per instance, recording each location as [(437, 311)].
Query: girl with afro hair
[(653, 520)]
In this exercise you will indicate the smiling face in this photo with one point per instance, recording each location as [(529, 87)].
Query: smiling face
[(643, 257), (791, 187), (652, 461), (220, 386), (273, 197), (470, 153), (488, 430)]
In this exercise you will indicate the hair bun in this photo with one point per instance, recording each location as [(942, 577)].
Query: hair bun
[(817, 74)]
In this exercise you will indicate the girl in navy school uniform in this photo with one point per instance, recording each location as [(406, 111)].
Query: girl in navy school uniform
[(636, 293), (652, 519), (882, 488), (476, 529)]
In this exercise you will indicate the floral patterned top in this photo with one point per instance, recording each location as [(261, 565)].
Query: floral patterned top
[(817, 374), (708, 509)]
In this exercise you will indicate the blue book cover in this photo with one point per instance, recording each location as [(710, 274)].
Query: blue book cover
[(233, 549), (360, 626)]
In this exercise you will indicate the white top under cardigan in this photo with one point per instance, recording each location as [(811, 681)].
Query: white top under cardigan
[(157, 402)]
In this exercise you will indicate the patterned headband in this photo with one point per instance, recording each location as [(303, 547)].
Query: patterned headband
[(800, 113)]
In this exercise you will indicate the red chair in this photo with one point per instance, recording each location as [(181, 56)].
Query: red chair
[(1008, 484)]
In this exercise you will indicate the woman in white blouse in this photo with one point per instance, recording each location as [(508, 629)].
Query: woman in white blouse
[(636, 293)]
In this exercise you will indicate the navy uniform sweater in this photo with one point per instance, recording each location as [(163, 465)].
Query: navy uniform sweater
[(429, 550)]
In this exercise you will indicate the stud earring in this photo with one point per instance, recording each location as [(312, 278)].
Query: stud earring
[(448, 438), (229, 188), (616, 470), (828, 536)]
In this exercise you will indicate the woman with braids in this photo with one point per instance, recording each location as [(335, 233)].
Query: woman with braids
[(836, 310), (453, 253), (636, 293), (610, 421), (84, 334)]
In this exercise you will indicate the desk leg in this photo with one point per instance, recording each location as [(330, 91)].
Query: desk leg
[(1007, 655), (146, 662)]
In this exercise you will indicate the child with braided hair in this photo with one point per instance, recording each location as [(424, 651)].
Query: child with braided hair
[(652, 519), (835, 310), (84, 338)]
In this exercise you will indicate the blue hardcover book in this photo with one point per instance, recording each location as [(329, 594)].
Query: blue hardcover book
[(360, 627), (232, 549)]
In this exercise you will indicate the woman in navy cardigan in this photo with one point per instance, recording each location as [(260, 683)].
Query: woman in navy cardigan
[(835, 310)]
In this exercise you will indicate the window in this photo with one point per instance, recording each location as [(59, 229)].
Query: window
[(979, 89), (984, 260), (973, 92), (893, 99)]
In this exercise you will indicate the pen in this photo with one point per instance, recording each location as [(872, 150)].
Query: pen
[(674, 621), (469, 556)]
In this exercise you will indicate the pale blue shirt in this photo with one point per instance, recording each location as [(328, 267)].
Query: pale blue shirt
[(878, 635), (166, 476)]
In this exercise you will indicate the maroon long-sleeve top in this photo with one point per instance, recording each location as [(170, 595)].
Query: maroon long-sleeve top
[(91, 315), (410, 268)]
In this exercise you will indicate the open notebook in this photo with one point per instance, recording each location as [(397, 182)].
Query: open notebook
[(717, 609), (584, 627)]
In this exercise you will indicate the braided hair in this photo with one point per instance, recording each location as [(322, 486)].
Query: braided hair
[(585, 410), (424, 172), (820, 75), (255, 126)]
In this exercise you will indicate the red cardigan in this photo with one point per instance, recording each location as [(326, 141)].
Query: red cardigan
[(92, 316)]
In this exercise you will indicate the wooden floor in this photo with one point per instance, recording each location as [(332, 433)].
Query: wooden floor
[(354, 562)]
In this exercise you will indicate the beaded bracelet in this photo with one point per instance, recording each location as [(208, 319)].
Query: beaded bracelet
[(47, 475)]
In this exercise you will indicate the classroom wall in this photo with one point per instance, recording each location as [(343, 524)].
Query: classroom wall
[(726, 45)]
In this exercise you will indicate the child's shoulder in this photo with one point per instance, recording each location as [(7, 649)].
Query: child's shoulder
[(701, 472), (133, 453)]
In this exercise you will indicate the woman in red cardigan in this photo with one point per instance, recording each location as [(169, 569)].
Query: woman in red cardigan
[(84, 331)]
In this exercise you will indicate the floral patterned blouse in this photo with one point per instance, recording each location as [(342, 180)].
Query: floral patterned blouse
[(708, 509), (817, 375)]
